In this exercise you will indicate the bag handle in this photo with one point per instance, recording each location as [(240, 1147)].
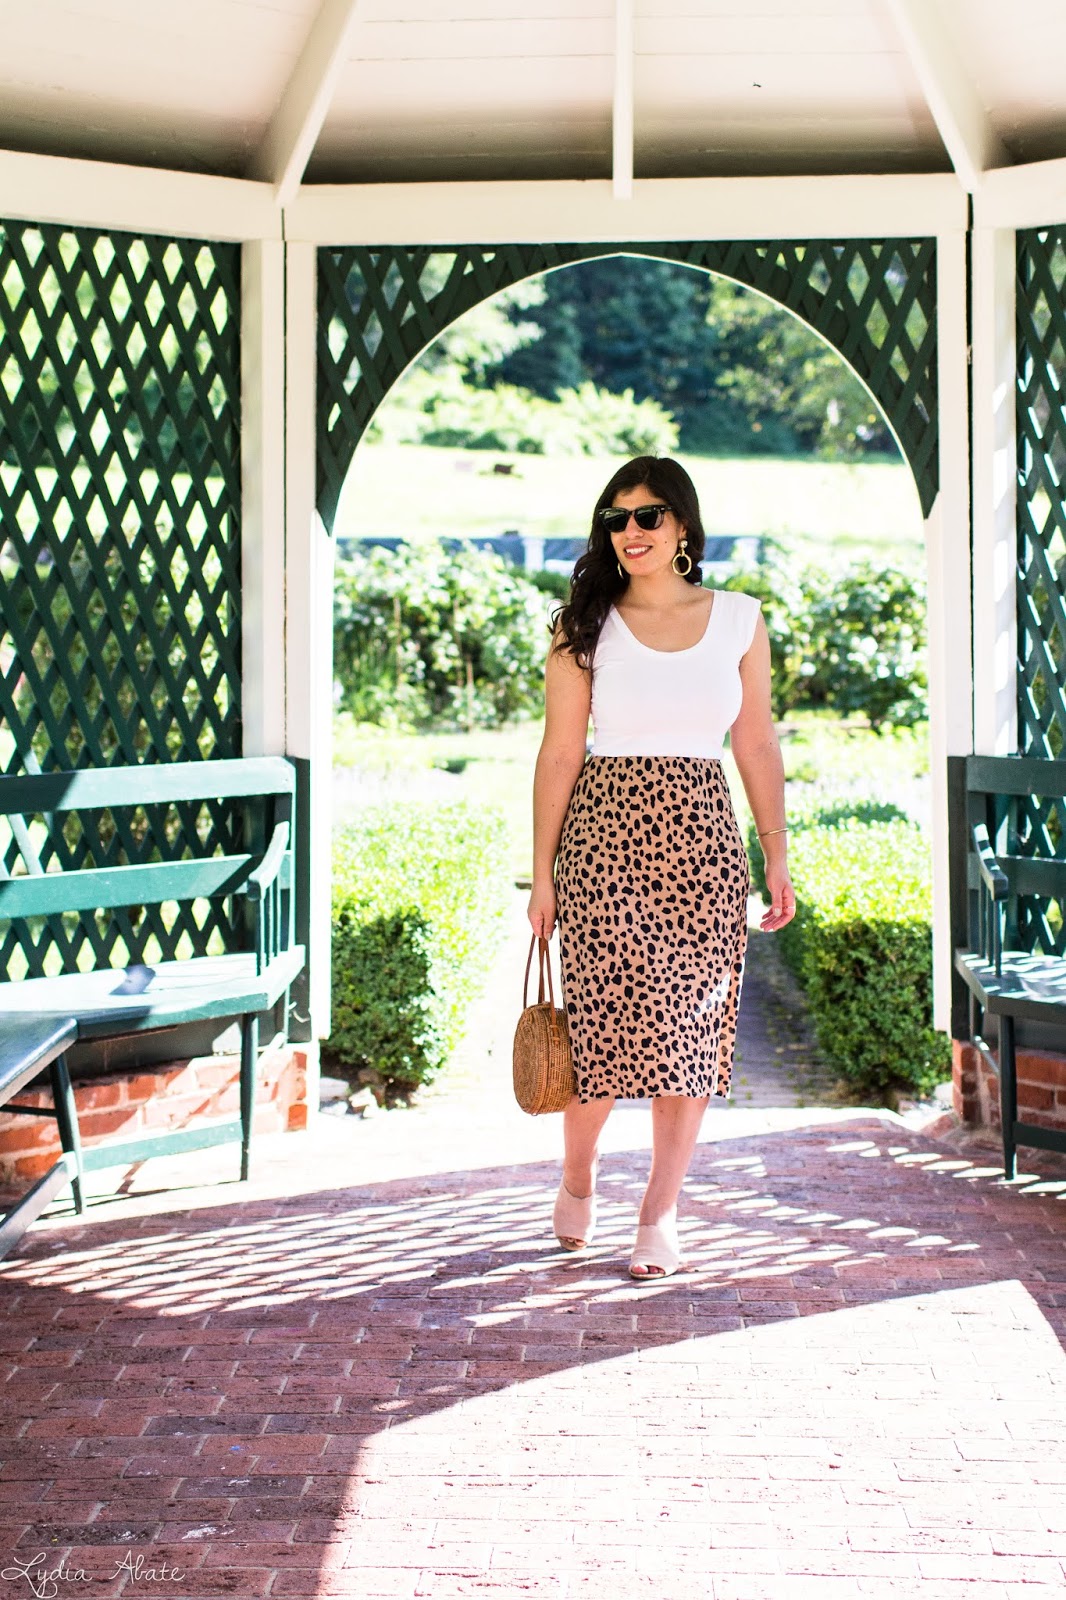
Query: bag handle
[(545, 961)]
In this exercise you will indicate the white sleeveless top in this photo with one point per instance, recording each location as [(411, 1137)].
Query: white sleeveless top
[(648, 702)]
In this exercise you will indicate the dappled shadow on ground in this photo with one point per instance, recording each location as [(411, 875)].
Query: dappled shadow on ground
[(272, 1391)]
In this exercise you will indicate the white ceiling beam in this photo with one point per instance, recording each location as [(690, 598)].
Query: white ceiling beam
[(1030, 196), (858, 206), (962, 121), (104, 194), (622, 115), (282, 157)]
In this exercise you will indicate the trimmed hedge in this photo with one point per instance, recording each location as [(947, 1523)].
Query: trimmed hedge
[(861, 945), (419, 892), (820, 811)]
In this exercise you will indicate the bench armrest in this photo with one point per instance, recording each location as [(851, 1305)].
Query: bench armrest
[(273, 928), (994, 892), (992, 875), (260, 879)]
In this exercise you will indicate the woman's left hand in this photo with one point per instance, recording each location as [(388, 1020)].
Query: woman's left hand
[(782, 899)]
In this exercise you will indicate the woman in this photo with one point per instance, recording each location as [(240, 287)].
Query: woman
[(637, 853)]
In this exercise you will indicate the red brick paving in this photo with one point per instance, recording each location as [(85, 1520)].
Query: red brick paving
[(369, 1373), (403, 1389)]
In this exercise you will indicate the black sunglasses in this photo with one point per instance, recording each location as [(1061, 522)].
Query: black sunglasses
[(616, 519)]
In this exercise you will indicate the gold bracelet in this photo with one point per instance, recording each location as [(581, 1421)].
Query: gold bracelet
[(769, 831)]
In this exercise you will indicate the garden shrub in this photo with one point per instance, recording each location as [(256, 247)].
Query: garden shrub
[(820, 810), (598, 423), (861, 944), (437, 407), (556, 584), (419, 892), (850, 641), (867, 645), (425, 636)]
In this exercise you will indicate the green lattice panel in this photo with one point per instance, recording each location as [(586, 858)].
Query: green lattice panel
[(874, 300), (119, 549), (119, 498), (1041, 429), (1035, 825)]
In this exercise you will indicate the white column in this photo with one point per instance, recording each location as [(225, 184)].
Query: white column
[(947, 543), (309, 616), (263, 496), (995, 627)]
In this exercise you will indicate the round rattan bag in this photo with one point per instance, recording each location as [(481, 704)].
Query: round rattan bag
[(543, 1066)]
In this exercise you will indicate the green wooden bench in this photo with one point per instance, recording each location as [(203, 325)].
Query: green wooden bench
[(28, 1047), (119, 861), (1009, 892)]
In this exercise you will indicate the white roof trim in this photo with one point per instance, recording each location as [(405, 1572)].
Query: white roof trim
[(867, 206), (964, 125), (99, 194), (1032, 196)]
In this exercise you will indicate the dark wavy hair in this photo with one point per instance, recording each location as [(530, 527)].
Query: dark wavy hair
[(595, 584)]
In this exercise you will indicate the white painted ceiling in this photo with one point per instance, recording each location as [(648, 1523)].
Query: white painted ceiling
[(493, 89)]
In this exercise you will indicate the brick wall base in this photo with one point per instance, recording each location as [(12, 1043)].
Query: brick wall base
[(126, 1105), (1041, 1087)]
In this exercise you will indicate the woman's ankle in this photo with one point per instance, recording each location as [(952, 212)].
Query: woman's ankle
[(653, 1214), (580, 1181)]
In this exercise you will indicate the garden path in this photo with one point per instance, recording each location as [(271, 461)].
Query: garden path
[(369, 1372)]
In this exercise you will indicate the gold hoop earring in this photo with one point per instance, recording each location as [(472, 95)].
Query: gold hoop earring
[(685, 557), (618, 564)]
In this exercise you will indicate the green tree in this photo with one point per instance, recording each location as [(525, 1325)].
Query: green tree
[(621, 323), (489, 333), (781, 373), (738, 372)]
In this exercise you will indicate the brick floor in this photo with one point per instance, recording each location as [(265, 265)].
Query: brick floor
[(370, 1373)]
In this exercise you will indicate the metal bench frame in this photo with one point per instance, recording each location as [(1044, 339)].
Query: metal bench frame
[(1009, 983)]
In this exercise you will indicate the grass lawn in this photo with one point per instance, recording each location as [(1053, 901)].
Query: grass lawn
[(495, 767), (823, 510)]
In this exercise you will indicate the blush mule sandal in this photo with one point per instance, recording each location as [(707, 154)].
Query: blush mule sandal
[(656, 1247), (574, 1219)]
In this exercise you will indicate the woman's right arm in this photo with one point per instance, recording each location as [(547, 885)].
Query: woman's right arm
[(567, 703)]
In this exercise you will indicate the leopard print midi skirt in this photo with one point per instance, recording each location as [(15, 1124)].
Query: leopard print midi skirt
[(652, 889)]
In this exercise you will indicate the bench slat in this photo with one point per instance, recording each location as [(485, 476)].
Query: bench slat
[(149, 784), (1015, 775), (175, 1142), (105, 888), (115, 1001), (28, 1045), (1028, 986)]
